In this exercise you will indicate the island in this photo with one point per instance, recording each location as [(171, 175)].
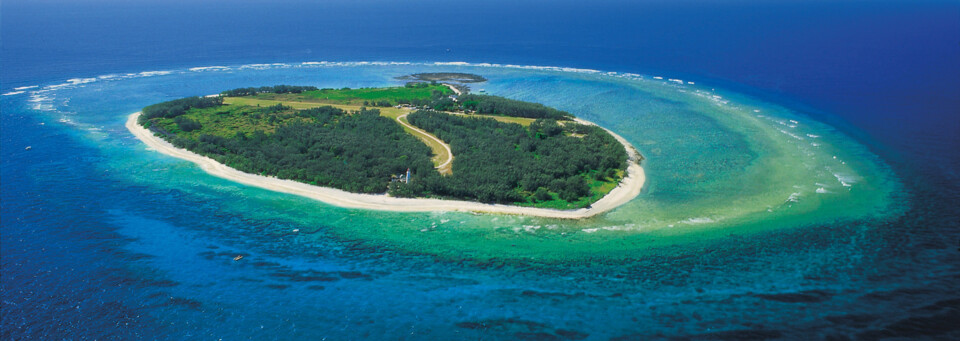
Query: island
[(422, 146)]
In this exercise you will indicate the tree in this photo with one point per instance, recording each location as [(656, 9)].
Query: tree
[(542, 194)]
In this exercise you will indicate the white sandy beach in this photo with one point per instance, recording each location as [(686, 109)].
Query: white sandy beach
[(628, 189)]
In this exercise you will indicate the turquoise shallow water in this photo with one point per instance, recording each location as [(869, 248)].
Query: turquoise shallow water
[(717, 163), (750, 209)]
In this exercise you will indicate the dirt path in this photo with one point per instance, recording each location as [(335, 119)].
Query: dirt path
[(455, 90), (444, 167)]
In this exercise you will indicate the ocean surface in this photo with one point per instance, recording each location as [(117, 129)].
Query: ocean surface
[(802, 163)]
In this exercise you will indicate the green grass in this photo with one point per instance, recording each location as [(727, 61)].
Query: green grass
[(505, 119), (357, 96), (228, 120), (352, 99), (268, 102)]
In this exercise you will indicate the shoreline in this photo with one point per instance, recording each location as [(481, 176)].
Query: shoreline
[(629, 187)]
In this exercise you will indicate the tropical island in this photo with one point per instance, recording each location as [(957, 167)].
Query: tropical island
[(423, 146)]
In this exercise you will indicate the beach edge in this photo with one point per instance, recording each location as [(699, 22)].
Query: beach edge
[(628, 188)]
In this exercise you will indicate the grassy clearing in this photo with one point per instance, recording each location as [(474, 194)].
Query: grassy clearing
[(238, 101), (505, 119), (228, 120), (393, 95)]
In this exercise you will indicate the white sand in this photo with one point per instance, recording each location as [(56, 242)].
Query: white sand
[(455, 90), (628, 188)]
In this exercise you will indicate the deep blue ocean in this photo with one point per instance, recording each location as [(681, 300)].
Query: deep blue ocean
[(86, 253)]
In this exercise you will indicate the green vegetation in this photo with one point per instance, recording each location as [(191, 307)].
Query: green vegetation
[(178, 107), (440, 153), (411, 94), (525, 154), (354, 151), (276, 89), (544, 165), (494, 105)]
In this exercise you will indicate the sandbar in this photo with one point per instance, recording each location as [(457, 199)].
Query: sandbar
[(629, 187)]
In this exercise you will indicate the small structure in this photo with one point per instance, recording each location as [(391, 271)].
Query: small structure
[(404, 178)]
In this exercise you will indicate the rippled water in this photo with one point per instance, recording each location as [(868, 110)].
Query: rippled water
[(757, 222)]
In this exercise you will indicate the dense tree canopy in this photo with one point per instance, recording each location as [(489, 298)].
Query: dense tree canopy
[(553, 160), (178, 107), (356, 152), (495, 105), (505, 162)]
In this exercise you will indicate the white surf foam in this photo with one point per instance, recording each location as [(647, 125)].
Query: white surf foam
[(698, 220), (794, 197), (38, 98), (209, 68), (261, 66), (790, 134), (154, 73), (845, 180)]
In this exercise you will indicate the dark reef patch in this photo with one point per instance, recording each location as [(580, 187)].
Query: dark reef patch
[(184, 302), (853, 320), (306, 276), (810, 296)]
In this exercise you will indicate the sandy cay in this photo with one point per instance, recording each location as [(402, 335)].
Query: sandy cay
[(628, 188)]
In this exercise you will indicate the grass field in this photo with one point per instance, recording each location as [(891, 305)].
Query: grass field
[(356, 97), (392, 94), (348, 96), (505, 119), (227, 121)]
